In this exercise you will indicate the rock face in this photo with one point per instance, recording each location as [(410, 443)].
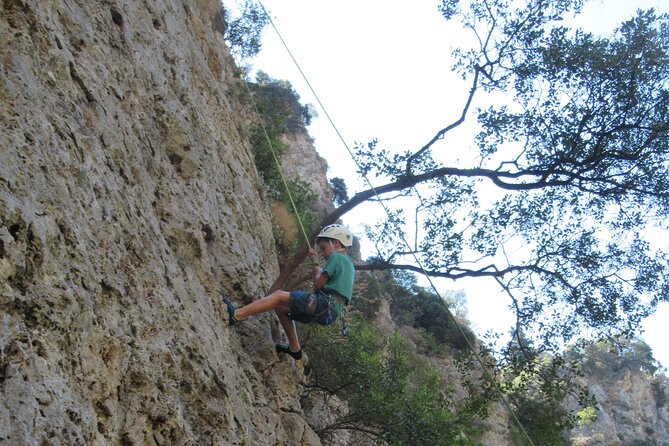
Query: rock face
[(634, 410), (300, 160), (129, 202)]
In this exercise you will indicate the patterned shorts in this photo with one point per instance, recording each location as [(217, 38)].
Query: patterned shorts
[(311, 307)]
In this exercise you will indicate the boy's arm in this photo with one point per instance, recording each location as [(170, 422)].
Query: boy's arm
[(320, 278)]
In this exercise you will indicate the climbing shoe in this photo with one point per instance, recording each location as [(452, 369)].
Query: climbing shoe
[(232, 320), (283, 348)]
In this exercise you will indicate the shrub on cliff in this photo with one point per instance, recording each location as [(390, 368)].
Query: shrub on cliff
[(418, 307), (280, 112), (243, 33), (614, 355)]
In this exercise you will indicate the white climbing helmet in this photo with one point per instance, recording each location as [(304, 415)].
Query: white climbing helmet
[(337, 232)]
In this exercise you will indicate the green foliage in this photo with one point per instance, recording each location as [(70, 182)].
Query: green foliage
[(340, 193), (658, 386), (243, 34), (577, 154), (309, 112), (388, 399), (416, 307), (421, 308), (641, 443), (586, 416), (543, 419), (279, 104), (537, 391), (280, 111), (537, 385), (614, 355), (267, 145)]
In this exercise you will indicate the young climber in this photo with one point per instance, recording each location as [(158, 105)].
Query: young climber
[(333, 287)]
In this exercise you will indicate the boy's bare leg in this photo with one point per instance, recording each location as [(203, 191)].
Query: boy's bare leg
[(279, 302), (288, 326), (266, 303)]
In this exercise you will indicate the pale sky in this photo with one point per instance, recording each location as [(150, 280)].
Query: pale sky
[(382, 69)]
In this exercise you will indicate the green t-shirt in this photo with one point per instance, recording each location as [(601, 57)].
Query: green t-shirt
[(341, 275)]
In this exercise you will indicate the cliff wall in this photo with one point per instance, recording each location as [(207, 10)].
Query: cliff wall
[(300, 160), (633, 410), (129, 202)]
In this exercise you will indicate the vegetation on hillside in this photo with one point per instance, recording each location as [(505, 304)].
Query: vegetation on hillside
[(280, 112), (243, 32), (610, 357), (383, 374), (389, 399)]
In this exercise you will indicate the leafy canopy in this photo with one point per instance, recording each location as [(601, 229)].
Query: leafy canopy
[(565, 199), (243, 33)]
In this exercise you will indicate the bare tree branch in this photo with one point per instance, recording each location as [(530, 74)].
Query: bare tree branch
[(440, 134), (453, 273)]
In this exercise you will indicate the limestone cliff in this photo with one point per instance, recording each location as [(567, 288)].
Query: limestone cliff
[(633, 410), (129, 202), (302, 161)]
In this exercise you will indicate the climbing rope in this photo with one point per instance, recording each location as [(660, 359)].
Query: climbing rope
[(402, 237)]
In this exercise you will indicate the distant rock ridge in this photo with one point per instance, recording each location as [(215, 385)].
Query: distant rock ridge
[(634, 410), (300, 160)]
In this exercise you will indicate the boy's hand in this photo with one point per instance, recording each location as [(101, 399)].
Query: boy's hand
[(313, 255)]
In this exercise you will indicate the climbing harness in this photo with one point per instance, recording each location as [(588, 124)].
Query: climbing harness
[(334, 307), (339, 308), (402, 237)]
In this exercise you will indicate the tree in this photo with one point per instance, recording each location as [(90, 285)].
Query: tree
[(243, 34), (388, 399), (339, 191), (613, 355), (537, 386), (576, 159)]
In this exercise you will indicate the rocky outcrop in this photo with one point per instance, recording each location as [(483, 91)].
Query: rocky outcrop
[(633, 409), (129, 202), (301, 161)]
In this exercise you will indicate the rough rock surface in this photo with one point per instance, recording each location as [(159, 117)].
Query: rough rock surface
[(633, 411), (301, 161), (128, 202)]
